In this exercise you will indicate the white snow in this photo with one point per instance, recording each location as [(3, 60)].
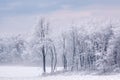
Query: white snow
[(88, 77), (18, 71), (33, 73), (22, 71)]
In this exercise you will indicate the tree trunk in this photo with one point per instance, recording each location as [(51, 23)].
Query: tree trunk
[(65, 62), (44, 60)]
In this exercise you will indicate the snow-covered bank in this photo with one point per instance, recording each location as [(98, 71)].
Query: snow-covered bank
[(83, 77), (73, 77), (33, 73), (21, 71), (17, 71)]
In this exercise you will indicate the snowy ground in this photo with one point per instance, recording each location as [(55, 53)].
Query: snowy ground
[(33, 73)]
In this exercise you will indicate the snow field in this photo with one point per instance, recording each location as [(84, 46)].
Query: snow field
[(33, 73)]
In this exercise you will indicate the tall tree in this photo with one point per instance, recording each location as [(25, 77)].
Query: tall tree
[(41, 33), (44, 44), (64, 55)]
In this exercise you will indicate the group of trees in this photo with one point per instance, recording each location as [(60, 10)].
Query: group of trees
[(86, 52), (99, 51), (11, 50), (44, 46), (39, 50)]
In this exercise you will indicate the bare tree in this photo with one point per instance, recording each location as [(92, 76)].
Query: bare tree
[(41, 33), (64, 55), (53, 55), (74, 49), (46, 44)]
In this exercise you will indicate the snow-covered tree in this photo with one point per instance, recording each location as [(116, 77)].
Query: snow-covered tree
[(43, 45), (64, 55)]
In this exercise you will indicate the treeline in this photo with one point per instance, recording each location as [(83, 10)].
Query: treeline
[(79, 51)]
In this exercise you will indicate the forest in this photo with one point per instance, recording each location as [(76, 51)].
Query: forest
[(76, 49)]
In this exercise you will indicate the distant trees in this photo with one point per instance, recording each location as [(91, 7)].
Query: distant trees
[(12, 50), (80, 50), (87, 52)]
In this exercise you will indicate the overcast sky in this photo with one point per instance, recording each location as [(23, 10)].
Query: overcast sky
[(20, 16)]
